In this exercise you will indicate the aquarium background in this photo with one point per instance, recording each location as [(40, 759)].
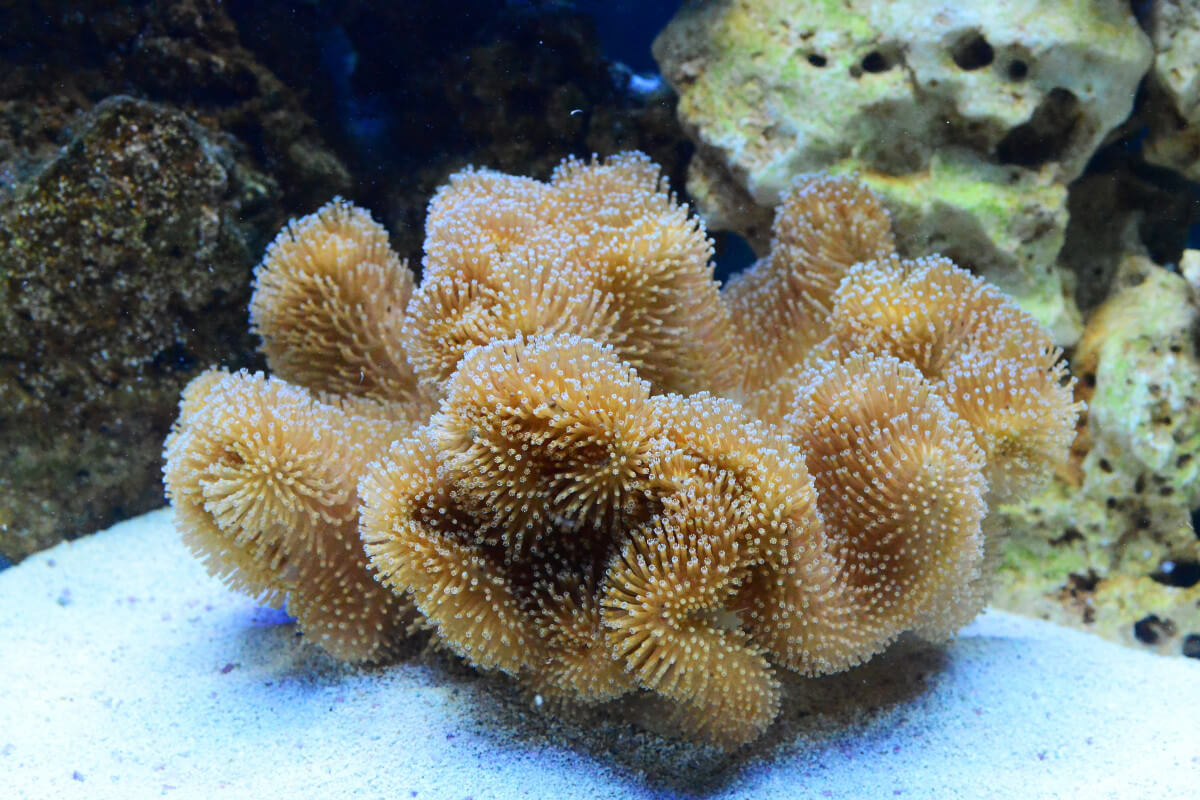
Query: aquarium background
[(150, 151)]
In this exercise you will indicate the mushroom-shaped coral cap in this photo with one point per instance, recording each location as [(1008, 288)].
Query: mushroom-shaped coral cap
[(534, 290), (993, 363), (824, 225), (477, 218), (579, 665), (578, 511), (262, 478), (329, 301), (555, 521)]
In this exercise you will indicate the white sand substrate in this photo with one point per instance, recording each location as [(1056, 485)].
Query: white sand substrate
[(127, 672)]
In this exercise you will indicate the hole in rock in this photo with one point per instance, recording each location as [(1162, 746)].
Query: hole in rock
[(1047, 134), (1191, 645), (875, 61), (1184, 574), (1152, 629), (973, 53)]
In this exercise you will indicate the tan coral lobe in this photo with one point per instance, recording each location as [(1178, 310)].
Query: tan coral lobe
[(421, 543), (501, 513), (996, 367), (671, 604), (824, 226), (262, 477), (558, 476), (546, 433), (900, 486), (603, 250), (651, 256), (329, 302)]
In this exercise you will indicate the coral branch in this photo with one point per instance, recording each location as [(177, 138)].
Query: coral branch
[(823, 227), (994, 365), (601, 251), (900, 487), (667, 604)]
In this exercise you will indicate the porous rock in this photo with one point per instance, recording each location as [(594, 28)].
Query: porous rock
[(1172, 108), (969, 117), (1112, 543), (124, 264)]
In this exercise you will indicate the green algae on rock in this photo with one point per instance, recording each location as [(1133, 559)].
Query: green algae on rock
[(1012, 95)]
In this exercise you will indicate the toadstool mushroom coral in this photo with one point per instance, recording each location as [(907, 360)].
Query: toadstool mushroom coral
[(583, 464)]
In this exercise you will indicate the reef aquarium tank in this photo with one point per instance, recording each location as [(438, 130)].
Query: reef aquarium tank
[(719, 399)]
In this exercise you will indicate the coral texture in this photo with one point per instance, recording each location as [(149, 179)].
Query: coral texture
[(328, 301), (263, 478), (602, 250), (632, 480)]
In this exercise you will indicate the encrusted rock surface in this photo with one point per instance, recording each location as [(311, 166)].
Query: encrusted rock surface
[(969, 117), (124, 265), (1173, 93), (1111, 545), (58, 59), (129, 228)]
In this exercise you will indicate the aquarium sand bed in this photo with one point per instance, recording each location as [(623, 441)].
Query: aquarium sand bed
[(126, 671)]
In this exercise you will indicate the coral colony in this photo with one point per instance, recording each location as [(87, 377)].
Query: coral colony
[(583, 463)]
